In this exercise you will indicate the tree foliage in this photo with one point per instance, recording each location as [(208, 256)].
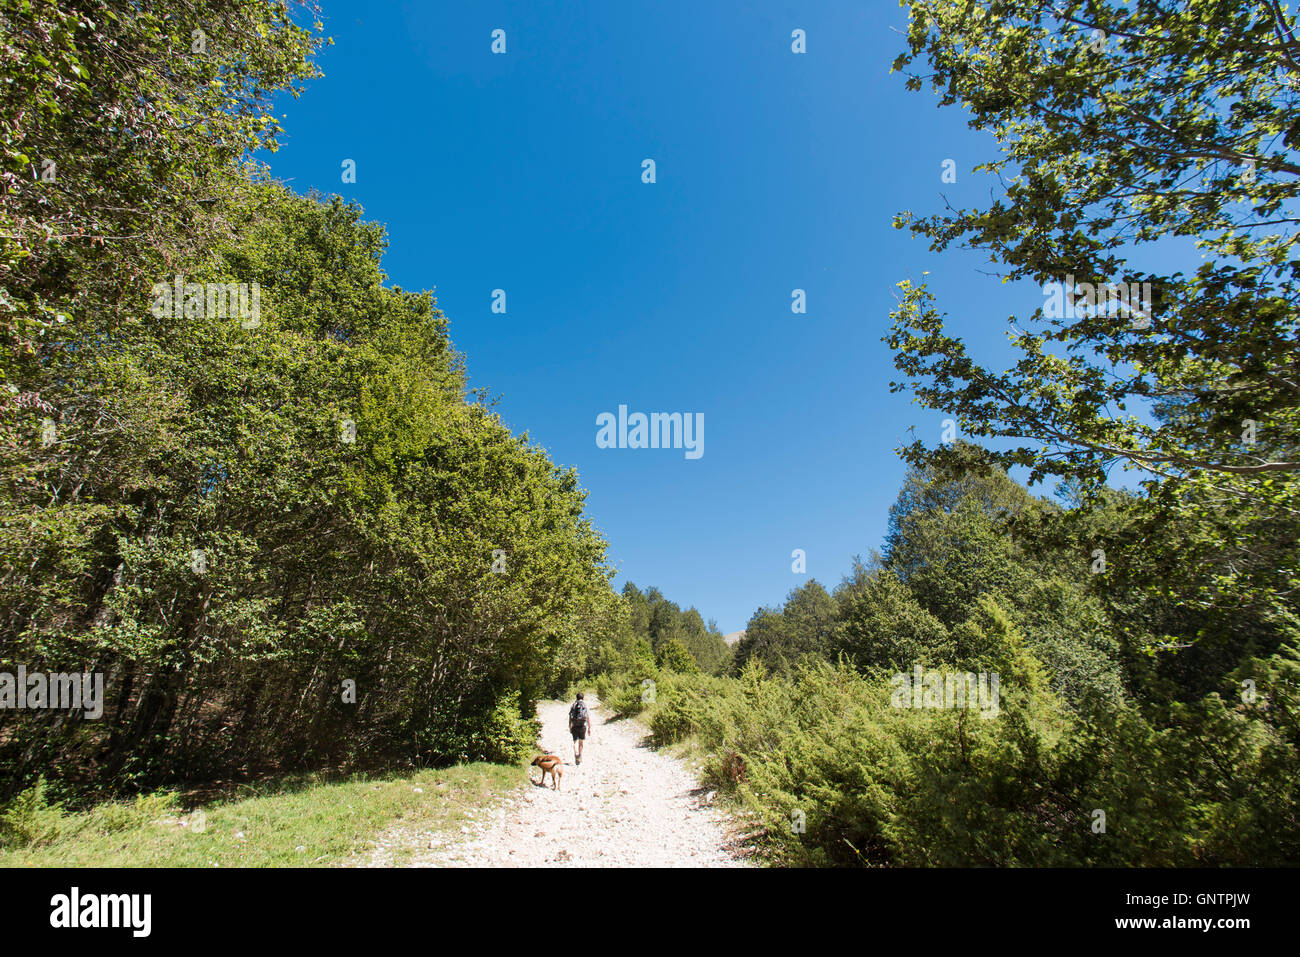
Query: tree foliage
[(289, 539), (1125, 126)]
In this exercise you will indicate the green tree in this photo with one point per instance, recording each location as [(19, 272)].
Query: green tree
[(1123, 125), (674, 657), (441, 565), (656, 620), (882, 625), (958, 538), (780, 638)]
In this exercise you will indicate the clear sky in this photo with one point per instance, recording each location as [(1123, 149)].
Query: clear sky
[(775, 171)]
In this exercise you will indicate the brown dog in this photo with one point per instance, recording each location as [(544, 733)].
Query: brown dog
[(551, 763)]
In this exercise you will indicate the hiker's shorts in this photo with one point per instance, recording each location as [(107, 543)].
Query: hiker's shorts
[(579, 731)]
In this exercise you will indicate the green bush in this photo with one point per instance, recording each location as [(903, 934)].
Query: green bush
[(510, 735), (125, 815), (31, 819), (686, 703), (625, 700), (626, 694), (835, 774), (671, 721), (674, 657)]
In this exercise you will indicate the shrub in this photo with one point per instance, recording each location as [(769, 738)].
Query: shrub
[(835, 774), (31, 818), (674, 657), (125, 815), (625, 694), (510, 736)]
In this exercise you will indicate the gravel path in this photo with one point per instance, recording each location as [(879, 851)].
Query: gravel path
[(624, 806)]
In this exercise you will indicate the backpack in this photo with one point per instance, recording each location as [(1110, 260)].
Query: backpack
[(578, 714)]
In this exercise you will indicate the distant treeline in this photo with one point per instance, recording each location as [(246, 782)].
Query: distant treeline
[(655, 630)]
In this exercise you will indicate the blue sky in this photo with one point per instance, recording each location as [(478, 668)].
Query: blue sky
[(775, 171)]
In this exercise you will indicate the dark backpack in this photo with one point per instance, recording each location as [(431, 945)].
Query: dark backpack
[(578, 714)]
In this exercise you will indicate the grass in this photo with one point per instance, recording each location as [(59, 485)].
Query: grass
[(304, 822)]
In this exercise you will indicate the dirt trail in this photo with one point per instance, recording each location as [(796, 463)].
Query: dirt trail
[(624, 806)]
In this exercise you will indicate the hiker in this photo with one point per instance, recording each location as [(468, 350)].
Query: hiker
[(579, 726)]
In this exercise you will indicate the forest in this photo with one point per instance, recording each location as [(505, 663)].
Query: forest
[(245, 483), (282, 543)]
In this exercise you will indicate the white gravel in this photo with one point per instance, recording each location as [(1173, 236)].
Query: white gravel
[(624, 806)]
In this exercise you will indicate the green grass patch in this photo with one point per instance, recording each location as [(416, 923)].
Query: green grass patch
[(301, 822)]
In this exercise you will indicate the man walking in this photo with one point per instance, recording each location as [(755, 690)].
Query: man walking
[(579, 726)]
